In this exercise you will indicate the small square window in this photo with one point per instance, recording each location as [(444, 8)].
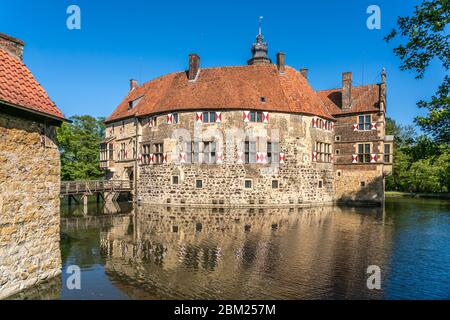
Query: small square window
[(337, 138), (320, 183), (175, 180), (199, 184), (274, 184), (339, 173), (248, 184), (363, 183), (338, 152), (262, 99)]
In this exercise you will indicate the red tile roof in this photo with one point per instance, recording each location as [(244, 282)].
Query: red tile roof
[(239, 87), (364, 99), (19, 88)]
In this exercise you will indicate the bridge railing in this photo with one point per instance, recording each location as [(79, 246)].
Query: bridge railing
[(92, 186)]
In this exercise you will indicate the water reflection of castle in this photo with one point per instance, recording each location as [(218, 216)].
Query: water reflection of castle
[(244, 253)]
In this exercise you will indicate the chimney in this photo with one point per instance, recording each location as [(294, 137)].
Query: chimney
[(12, 45), (346, 91), (194, 66), (280, 62), (304, 72), (133, 84)]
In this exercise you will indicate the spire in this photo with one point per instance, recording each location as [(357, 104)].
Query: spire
[(259, 48)]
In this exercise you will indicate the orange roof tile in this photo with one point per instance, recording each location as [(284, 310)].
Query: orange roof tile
[(239, 87), (19, 88), (364, 99)]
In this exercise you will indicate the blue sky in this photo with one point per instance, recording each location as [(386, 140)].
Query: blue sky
[(87, 71)]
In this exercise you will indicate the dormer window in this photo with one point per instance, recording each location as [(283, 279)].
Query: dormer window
[(262, 99), (134, 103)]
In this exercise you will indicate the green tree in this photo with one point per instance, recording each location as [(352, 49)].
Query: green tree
[(426, 32), (79, 146)]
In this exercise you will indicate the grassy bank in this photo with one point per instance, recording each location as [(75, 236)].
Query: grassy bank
[(394, 194)]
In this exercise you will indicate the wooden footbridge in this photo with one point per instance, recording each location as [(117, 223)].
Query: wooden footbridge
[(100, 188)]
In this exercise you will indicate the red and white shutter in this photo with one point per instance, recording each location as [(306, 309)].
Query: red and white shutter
[(219, 157), (165, 158), (261, 157), (218, 117), (331, 158), (282, 158), (354, 158), (183, 157), (240, 157), (151, 158), (199, 117), (170, 118), (373, 158), (314, 156), (355, 127), (315, 122), (126, 154), (332, 126), (373, 126), (246, 116), (265, 117)]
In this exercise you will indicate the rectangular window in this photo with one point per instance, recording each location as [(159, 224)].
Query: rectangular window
[(323, 151), (320, 185), (250, 151), (387, 153), (158, 151), (209, 117), (273, 152), (103, 152), (152, 122), (364, 152), (248, 184), (199, 184), (145, 154), (274, 184), (176, 118), (256, 116), (337, 138), (174, 179), (363, 184), (364, 122), (111, 151), (209, 152)]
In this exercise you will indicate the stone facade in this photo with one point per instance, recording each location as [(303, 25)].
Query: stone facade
[(298, 178), (29, 204)]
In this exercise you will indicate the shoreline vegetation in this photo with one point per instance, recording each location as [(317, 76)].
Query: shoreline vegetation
[(397, 194)]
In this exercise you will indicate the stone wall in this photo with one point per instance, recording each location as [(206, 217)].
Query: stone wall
[(298, 177), (29, 204)]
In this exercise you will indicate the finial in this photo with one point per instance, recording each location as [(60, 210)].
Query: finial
[(383, 75)]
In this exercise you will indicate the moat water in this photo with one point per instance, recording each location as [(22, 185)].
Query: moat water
[(308, 253)]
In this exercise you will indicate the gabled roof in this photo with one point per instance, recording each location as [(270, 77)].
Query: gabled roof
[(18, 88), (239, 87), (364, 99)]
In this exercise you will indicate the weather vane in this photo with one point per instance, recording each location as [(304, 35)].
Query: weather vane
[(260, 23)]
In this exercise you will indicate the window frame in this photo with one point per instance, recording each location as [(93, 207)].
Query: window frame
[(364, 157), (365, 125), (158, 152), (197, 184), (245, 183)]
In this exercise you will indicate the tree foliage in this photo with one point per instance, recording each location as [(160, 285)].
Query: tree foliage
[(428, 38), (420, 164), (79, 146)]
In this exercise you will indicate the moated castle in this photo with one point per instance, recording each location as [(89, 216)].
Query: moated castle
[(257, 134)]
